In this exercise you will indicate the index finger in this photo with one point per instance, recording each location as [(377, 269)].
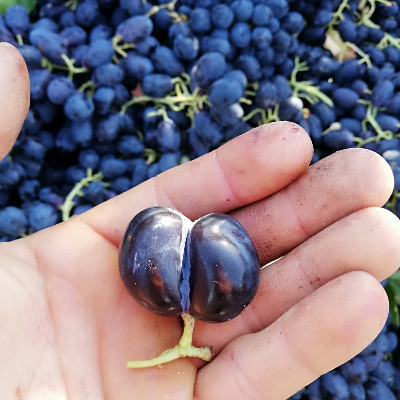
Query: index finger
[(242, 171)]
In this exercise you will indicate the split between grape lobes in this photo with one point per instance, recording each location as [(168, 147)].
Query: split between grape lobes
[(122, 90)]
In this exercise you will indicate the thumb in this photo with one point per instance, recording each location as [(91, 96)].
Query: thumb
[(14, 96)]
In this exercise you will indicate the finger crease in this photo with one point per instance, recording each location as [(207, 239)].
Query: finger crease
[(244, 382), (100, 234), (304, 266), (251, 319), (299, 221), (162, 197), (228, 185), (301, 356)]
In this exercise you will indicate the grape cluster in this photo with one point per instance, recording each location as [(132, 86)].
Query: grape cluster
[(374, 374), (122, 90)]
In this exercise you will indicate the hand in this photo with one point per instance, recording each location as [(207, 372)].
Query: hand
[(68, 326)]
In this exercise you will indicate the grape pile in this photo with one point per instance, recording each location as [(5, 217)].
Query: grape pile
[(122, 90), (374, 374)]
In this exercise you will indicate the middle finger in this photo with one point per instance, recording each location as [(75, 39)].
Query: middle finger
[(331, 189)]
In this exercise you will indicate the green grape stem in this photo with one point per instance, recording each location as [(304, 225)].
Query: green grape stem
[(372, 112), (388, 40), (68, 67), (162, 111), (171, 11), (273, 115), (305, 89), (176, 17), (72, 4), (140, 135), (88, 86), (267, 116), (253, 86), (120, 48), (339, 13), (186, 78), (180, 99), (245, 101), (365, 19), (50, 66), (183, 349), (365, 57), (151, 155), (250, 93), (19, 38), (156, 8), (253, 113), (335, 126), (71, 68), (68, 204), (366, 13)]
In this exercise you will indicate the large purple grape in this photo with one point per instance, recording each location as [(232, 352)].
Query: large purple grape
[(150, 259), (170, 265), (225, 270)]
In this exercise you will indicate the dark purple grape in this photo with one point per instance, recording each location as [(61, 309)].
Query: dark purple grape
[(170, 265), (134, 29), (150, 259), (240, 35), (200, 20), (225, 270)]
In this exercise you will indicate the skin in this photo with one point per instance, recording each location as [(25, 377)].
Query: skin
[(68, 326)]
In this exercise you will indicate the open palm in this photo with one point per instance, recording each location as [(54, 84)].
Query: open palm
[(68, 326)]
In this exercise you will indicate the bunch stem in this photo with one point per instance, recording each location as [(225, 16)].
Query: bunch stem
[(68, 204), (183, 349), (180, 99), (305, 89)]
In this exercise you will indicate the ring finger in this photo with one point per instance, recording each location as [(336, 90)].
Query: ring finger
[(338, 320)]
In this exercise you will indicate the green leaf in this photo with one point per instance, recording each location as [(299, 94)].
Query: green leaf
[(393, 303), (28, 4), (394, 309), (394, 283), (395, 277), (396, 287), (4, 4)]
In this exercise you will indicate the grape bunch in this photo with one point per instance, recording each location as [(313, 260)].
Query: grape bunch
[(123, 90)]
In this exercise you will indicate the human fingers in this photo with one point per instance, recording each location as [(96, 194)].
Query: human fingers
[(336, 186), (366, 240), (244, 170), (337, 321), (14, 96)]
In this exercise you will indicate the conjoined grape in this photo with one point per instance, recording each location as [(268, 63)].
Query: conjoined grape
[(207, 270)]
